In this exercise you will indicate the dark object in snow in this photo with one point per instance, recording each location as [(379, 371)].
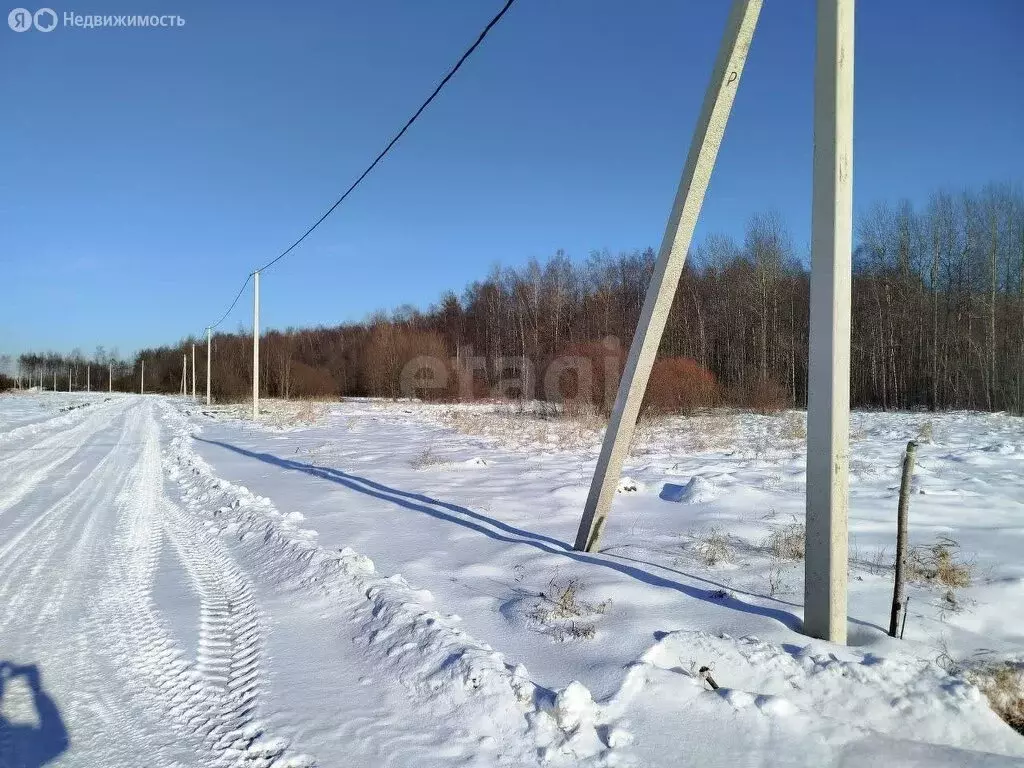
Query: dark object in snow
[(705, 674)]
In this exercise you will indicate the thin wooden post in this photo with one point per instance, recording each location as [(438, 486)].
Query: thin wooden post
[(826, 558), (899, 595), (700, 161)]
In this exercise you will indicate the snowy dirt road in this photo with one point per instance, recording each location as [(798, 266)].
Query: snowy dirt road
[(153, 614), (155, 611), (88, 532)]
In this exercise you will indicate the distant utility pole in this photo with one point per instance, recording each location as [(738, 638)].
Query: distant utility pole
[(88, 388), (828, 398), (193, 371), (209, 333), (256, 346), (184, 375), (142, 379), (54, 381), (69, 379), (110, 377), (707, 138)]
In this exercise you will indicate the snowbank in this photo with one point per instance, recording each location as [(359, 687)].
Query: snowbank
[(426, 649)]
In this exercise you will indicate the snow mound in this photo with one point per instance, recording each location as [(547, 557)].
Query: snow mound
[(425, 649), (697, 491), (779, 693), (629, 485)]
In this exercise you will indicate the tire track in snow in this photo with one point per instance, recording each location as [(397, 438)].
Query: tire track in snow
[(35, 549), (59, 420), (50, 616), (26, 469), (78, 560), (229, 628), (210, 702)]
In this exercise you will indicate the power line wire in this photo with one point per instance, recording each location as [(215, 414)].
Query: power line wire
[(237, 297), (451, 73), (397, 136)]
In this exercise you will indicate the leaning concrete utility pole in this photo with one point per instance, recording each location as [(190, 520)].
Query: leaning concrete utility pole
[(193, 371), (828, 385), (255, 345), (707, 138), (209, 331)]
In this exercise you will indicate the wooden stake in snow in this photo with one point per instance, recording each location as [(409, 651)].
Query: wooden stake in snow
[(707, 138), (899, 597)]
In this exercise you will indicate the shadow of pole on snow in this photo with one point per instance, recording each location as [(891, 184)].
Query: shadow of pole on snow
[(500, 531)]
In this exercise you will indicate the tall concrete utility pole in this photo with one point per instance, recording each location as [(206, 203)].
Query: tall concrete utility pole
[(142, 379), (209, 332), (828, 391), (707, 137), (255, 345), (193, 371)]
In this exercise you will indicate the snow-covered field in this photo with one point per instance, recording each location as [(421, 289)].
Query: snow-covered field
[(193, 590)]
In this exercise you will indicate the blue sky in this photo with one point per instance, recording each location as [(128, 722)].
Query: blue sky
[(147, 171)]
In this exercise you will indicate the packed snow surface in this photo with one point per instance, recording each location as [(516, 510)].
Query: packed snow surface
[(393, 584)]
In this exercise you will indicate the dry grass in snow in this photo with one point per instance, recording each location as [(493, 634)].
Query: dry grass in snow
[(939, 563), (787, 542), (567, 617)]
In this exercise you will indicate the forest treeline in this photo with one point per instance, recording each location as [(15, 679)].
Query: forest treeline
[(938, 322)]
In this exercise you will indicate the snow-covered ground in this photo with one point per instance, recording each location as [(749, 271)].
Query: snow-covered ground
[(194, 590)]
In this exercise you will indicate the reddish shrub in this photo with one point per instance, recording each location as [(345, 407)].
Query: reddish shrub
[(680, 385)]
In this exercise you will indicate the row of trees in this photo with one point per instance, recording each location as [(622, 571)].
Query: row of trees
[(938, 321), (73, 371)]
